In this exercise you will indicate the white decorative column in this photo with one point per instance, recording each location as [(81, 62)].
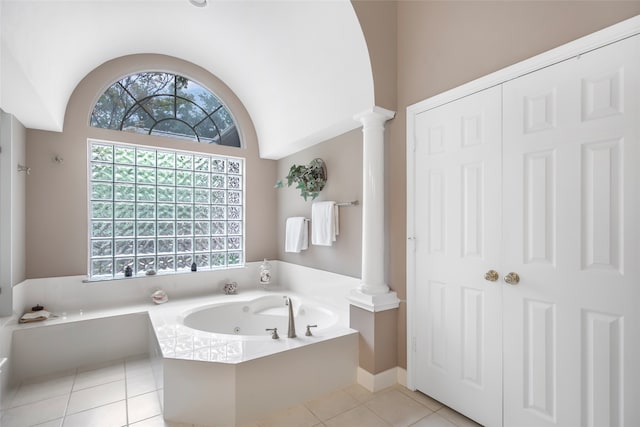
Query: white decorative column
[(373, 294)]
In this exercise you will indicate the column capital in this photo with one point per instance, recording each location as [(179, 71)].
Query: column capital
[(374, 115)]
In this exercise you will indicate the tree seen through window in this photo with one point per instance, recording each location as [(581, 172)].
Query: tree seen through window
[(165, 104)]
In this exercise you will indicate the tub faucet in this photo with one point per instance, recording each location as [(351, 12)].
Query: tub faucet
[(292, 325)]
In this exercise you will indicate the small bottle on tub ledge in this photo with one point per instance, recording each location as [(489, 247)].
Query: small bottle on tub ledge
[(265, 273)]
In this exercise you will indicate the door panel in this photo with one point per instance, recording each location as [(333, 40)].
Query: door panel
[(457, 181), (571, 192)]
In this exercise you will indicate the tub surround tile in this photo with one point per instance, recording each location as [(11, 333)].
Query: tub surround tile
[(112, 415), (178, 341), (93, 397)]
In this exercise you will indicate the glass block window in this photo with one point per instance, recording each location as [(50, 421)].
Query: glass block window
[(163, 210), (165, 104)]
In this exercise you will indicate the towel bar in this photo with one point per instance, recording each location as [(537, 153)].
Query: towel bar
[(345, 204)]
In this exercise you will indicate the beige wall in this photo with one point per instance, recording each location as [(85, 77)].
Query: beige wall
[(56, 220), (378, 21), (444, 44), (343, 159)]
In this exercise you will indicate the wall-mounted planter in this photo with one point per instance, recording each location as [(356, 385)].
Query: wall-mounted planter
[(309, 179)]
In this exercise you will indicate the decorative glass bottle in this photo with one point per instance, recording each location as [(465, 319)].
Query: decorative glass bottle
[(265, 273)]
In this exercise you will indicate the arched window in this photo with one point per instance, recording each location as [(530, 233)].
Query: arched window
[(165, 104)]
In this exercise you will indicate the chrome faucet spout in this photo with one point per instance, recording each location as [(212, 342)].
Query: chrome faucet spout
[(292, 325)]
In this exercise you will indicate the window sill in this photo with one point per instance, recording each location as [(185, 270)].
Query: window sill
[(163, 273)]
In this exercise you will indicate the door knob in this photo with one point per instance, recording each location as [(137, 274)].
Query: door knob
[(512, 278), (491, 275)]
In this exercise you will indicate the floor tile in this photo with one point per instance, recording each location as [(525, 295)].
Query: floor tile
[(142, 407), (32, 392), (7, 398), (48, 377), (138, 365), (158, 422), (54, 423), (102, 374), (330, 405), (125, 391), (112, 415), (359, 392), (35, 413), (140, 384), (93, 397), (457, 418), (397, 409), (297, 416), (434, 420), (360, 416), (425, 400), (161, 398)]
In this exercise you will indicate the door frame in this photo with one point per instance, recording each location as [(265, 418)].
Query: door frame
[(612, 34)]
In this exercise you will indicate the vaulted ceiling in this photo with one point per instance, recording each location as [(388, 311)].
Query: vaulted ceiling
[(301, 68)]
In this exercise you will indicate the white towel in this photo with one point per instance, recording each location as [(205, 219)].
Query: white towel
[(324, 223), (296, 234)]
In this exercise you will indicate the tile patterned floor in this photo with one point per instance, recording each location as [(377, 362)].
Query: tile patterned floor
[(123, 393)]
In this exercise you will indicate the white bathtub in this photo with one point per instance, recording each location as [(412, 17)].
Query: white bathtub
[(253, 317), (222, 341)]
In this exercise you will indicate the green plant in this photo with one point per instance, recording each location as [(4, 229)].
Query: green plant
[(309, 179)]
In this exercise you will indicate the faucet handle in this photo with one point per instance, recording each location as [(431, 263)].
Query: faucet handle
[(274, 334), (308, 333)]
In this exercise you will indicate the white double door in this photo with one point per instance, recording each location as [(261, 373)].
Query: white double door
[(539, 176)]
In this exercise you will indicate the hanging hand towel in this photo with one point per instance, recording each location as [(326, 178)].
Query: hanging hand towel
[(296, 235), (324, 223)]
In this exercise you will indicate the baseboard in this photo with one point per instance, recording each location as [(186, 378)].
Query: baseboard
[(402, 376), (382, 380)]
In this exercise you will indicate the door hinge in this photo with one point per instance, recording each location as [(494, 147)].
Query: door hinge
[(412, 239)]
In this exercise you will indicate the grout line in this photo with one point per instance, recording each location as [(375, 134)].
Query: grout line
[(66, 408), (126, 393)]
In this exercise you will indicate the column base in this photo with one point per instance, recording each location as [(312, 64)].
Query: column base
[(374, 303)]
